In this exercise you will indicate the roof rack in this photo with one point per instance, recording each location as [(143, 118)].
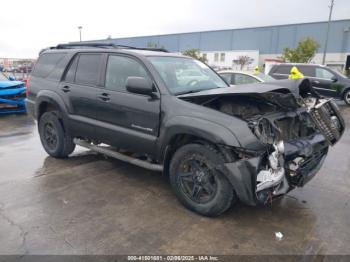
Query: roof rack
[(106, 45)]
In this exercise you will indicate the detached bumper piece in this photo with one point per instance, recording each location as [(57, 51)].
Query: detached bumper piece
[(304, 158), (12, 101)]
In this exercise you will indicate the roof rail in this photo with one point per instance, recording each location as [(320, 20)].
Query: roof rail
[(105, 45)]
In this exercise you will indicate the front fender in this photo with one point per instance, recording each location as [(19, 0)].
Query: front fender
[(210, 131)]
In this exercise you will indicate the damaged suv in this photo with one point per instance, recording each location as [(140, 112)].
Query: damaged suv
[(218, 144)]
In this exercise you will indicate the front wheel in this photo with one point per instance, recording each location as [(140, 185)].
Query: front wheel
[(197, 183), (55, 140), (347, 97)]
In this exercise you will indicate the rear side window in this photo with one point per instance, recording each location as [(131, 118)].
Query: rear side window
[(88, 69), (47, 63), (119, 68), (285, 70)]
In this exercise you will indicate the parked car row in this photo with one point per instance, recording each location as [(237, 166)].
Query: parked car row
[(325, 80)]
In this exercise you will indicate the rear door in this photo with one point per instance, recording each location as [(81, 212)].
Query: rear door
[(79, 90), (126, 120)]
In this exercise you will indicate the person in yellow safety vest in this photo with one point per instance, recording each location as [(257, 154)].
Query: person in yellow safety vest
[(256, 70), (295, 73)]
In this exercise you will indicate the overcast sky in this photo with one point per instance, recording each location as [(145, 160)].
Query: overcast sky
[(26, 26)]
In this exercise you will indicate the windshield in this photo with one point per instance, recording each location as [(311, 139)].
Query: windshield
[(186, 75), (3, 77)]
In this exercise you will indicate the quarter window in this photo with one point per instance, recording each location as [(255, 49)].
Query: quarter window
[(47, 63), (119, 68), (88, 69)]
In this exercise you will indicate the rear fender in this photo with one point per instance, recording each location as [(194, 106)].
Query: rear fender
[(50, 97)]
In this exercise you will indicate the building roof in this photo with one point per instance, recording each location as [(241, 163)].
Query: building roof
[(266, 39)]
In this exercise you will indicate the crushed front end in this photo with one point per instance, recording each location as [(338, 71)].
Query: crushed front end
[(297, 141), (285, 134), (12, 98)]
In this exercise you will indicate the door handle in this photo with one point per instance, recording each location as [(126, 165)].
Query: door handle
[(66, 89), (104, 97)]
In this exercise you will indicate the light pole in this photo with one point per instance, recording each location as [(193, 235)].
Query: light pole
[(327, 33), (80, 27)]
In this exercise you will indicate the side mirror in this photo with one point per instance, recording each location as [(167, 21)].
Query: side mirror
[(334, 79), (139, 85), (11, 78)]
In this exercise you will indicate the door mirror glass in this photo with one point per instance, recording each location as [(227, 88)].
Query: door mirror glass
[(334, 78), (139, 85), (11, 78)]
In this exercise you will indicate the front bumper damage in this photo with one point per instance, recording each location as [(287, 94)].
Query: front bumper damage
[(288, 163), (244, 174), (12, 101)]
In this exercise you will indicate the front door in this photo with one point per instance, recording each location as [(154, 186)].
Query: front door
[(325, 82), (126, 120)]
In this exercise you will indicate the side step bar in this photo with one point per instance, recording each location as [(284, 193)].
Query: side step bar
[(111, 153)]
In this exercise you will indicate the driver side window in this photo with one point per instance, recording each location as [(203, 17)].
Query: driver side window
[(323, 73), (119, 68)]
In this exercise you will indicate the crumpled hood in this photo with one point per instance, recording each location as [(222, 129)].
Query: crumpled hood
[(7, 84), (285, 86), (11, 92)]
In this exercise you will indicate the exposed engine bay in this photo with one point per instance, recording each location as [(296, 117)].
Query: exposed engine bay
[(297, 127)]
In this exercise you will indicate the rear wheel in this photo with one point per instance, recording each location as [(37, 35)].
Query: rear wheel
[(55, 140), (197, 183), (347, 97)]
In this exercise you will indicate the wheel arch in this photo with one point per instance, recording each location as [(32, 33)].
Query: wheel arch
[(345, 90), (50, 101), (180, 139)]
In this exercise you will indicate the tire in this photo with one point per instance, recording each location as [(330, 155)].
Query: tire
[(55, 140), (193, 165), (346, 97)]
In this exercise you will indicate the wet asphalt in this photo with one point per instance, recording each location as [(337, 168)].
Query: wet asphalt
[(88, 204)]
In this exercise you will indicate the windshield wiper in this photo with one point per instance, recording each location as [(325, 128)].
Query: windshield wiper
[(193, 91)]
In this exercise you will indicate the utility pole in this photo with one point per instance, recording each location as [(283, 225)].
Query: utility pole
[(80, 27), (327, 33)]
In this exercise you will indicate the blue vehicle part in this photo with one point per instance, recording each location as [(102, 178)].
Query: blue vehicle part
[(9, 84), (14, 98)]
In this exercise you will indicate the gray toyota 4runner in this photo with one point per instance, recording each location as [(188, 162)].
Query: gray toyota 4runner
[(217, 144)]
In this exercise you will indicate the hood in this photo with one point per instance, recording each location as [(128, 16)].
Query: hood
[(13, 91), (283, 93), (282, 86), (7, 84)]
